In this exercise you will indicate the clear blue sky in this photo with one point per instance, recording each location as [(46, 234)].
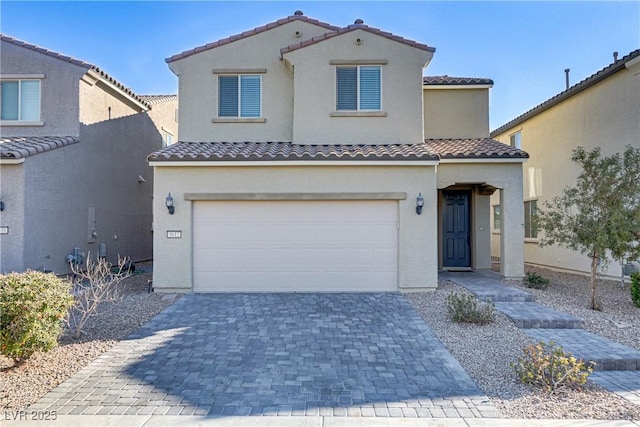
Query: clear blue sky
[(523, 46)]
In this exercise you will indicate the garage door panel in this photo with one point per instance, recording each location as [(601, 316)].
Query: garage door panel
[(295, 246)]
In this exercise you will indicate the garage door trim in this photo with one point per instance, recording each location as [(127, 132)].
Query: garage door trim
[(293, 196)]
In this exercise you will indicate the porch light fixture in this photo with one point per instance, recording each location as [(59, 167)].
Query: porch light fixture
[(169, 204), (419, 203)]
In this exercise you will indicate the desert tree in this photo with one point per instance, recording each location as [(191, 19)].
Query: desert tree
[(600, 215)]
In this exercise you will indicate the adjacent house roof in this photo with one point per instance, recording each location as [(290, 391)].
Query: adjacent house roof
[(106, 77), (20, 147), (357, 25), (480, 148), (609, 70), (156, 99), (431, 150), (297, 16), (454, 81)]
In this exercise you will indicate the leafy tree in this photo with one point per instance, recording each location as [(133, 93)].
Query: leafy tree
[(600, 215)]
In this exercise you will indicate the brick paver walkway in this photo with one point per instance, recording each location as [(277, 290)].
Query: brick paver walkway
[(277, 354)]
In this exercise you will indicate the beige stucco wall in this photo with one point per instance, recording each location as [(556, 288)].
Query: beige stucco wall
[(508, 177), (455, 113), (12, 194), (417, 260), (59, 90), (315, 91), (99, 102), (163, 115), (198, 86), (605, 115)]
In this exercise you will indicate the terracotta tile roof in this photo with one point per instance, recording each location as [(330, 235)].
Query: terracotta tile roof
[(74, 61), (479, 148), (19, 147), (156, 99), (448, 80), (607, 71), (287, 151), (297, 16), (358, 25)]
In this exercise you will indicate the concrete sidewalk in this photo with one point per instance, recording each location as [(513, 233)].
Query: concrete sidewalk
[(181, 420)]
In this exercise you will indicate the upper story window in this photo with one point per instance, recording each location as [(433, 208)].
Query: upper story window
[(358, 88), (515, 140), (20, 100), (240, 95)]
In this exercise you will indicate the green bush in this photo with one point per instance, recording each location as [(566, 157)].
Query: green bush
[(635, 288), (32, 308), (466, 308), (549, 367), (536, 281)]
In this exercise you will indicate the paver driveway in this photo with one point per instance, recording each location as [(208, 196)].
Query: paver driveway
[(349, 354)]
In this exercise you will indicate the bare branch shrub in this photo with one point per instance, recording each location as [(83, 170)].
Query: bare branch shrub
[(95, 282)]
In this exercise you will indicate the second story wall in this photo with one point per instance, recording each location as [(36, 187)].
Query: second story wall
[(100, 101), (451, 112), (259, 54), (58, 91), (316, 117)]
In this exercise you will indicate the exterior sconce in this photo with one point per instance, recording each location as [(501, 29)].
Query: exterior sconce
[(1, 205), (169, 204), (419, 203)]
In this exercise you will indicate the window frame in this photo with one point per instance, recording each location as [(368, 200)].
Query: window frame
[(239, 115), (530, 225), (515, 139), (497, 213), (358, 68), (20, 121)]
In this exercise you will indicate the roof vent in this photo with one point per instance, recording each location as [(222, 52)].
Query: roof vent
[(615, 56), (298, 13), (566, 77), (358, 21)]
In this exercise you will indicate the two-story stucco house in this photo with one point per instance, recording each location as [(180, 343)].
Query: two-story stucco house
[(73, 170), (603, 111), (318, 158)]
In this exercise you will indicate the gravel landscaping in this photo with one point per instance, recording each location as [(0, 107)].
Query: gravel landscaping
[(24, 384), (485, 352)]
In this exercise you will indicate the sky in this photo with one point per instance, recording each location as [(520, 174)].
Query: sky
[(524, 47)]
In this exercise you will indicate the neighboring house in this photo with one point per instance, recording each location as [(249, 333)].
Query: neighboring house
[(602, 111), (315, 158), (73, 170)]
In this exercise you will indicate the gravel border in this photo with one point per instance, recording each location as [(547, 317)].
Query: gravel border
[(486, 352), (24, 384)]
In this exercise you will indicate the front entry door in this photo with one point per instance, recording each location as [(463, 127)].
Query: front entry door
[(456, 230)]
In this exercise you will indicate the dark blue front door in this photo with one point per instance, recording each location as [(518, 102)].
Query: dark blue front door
[(456, 232)]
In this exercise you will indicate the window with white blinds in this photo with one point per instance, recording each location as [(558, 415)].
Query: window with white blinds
[(20, 100), (358, 88), (240, 95)]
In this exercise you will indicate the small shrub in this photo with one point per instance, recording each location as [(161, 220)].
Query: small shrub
[(95, 283), (466, 308), (32, 307), (549, 367), (536, 281), (635, 288)]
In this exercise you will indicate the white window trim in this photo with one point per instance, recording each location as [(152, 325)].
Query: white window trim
[(513, 134), (239, 118), (23, 78), (349, 113), (530, 239)]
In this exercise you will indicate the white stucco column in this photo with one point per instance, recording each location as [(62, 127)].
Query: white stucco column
[(512, 230)]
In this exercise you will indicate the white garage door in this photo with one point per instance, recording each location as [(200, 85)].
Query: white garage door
[(295, 246)]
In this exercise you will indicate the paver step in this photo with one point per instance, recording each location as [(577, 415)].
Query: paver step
[(486, 286), (530, 315), (608, 355), (624, 383)]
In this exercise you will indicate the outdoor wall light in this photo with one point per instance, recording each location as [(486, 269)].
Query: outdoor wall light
[(169, 204), (1, 205), (419, 203)]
